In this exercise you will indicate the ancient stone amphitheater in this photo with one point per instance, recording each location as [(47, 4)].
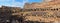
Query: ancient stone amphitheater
[(45, 12)]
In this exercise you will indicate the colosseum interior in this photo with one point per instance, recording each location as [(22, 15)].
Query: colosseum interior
[(45, 12)]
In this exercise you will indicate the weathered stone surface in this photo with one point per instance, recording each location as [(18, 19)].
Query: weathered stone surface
[(49, 12), (50, 4)]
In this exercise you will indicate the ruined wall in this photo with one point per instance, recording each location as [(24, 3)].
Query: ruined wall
[(50, 4), (52, 15), (41, 12)]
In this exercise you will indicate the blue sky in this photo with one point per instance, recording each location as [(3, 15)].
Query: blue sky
[(17, 3)]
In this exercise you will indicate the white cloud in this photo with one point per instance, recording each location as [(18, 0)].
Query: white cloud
[(4, 0), (21, 4), (25, 1), (12, 3)]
